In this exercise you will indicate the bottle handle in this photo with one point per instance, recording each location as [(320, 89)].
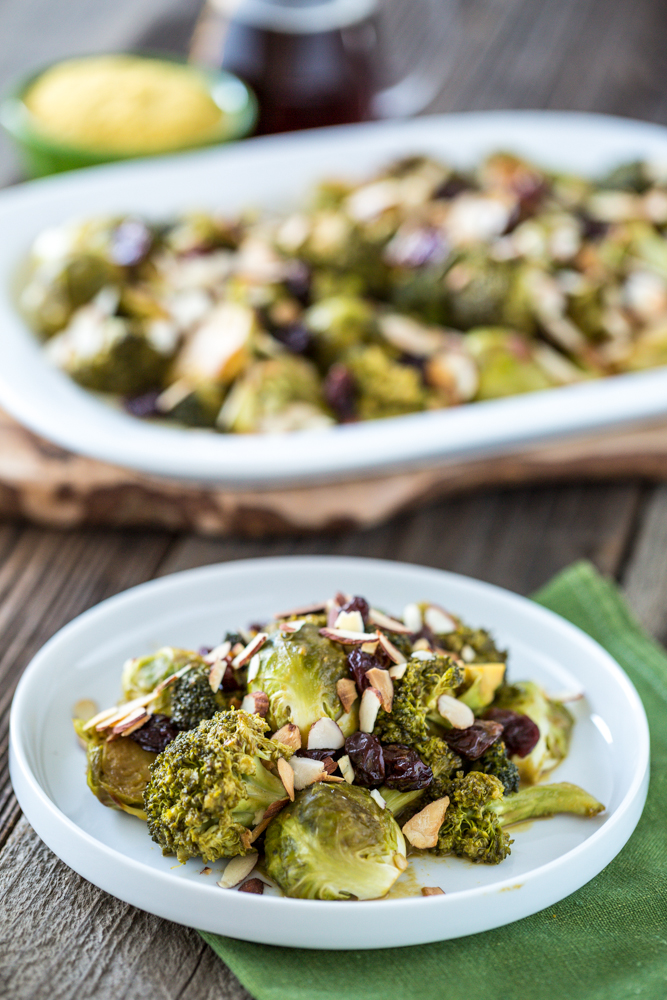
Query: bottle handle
[(419, 86)]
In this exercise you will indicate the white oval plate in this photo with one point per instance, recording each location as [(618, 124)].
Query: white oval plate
[(277, 171), (549, 860)]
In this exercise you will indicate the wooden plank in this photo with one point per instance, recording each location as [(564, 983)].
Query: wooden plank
[(645, 576)]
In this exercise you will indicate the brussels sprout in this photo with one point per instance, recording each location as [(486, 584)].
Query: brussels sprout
[(386, 387), (552, 719), (54, 291), (337, 324), (281, 393), (299, 672), (142, 674), (334, 842), (118, 771), (506, 363)]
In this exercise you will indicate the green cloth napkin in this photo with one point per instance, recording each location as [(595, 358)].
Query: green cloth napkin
[(608, 941)]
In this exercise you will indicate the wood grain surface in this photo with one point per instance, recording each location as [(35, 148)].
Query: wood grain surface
[(62, 938)]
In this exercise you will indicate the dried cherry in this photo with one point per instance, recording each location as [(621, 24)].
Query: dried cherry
[(360, 663), (473, 741), (520, 733), (340, 392), (155, 734), (404, 769), (359, 604), (367, 759)]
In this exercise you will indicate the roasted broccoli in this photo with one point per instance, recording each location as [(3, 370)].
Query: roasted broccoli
[(209, 785), (298, 672), (478, 812), (415, 700), (334, 842), (496, 762), (551, 717)]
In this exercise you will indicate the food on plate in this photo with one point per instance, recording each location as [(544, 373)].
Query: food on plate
[(330, 743), (419, 288)]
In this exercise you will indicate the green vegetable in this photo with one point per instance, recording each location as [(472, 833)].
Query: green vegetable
[(415, 698), (386, 387), (298, 673), (192, 699), (506, 363), (496, 762), (281, 393), (209, 784), (337, 324), (142, 674), (478, 812), (117, 771), (334, 842), (552, 719)]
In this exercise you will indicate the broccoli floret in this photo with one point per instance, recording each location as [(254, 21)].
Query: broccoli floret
[(192, 699), (552, 719), (207, 786), (478, 812), (415, 697), (496, 762), (334, 842)]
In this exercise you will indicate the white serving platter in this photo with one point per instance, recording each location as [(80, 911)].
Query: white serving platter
[(550, 858), (277, 172)]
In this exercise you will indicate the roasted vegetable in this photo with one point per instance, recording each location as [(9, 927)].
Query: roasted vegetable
[(495, 761), (334, 842), (415, 700), (117, 771), (553, 720), (209, 784)]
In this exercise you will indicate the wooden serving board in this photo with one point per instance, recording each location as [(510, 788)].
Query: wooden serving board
[(43, 483)]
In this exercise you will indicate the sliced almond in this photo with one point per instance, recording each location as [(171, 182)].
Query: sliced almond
[(467, 654), (170, 680), (306, 771), (455, 712), (237, 869), (346, 769), (566, 696), (220, 652), (206, 871), (268, 815), (253, 885), (422, 646), (371, 700), (370, 647), (135, 720), (397, 671), (308, 609), (400, 862), (289, 628), (412, 617), (111, 716), (390, 649), (216, 673), (289, 735), (384, 621), (348, 638), (349, 621), (256, 703), (378, 798), (382, 682), (253, 668), (432, 890), (325, 735), (423, 654), (438, 620), (422, 830), (85, 709), (286, 775), (249, 651), (331, 777), (346, 690), (330, 765)]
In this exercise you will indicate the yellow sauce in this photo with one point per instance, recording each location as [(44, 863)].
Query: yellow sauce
[(123, 104)]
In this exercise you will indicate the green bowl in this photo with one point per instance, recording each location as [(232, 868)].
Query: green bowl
[(42, 155)]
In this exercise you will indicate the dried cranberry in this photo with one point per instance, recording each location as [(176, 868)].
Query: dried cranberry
[(296, 337), (320, 754), (360, 663), (359, 604), (130, 242), (473, 741), (298, 281), (593, 229), (144, 405), (404, 769), (155, 734), (367, 759), (230, 679), (520, 733), (340, 393)]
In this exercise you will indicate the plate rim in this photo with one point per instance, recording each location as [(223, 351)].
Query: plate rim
[(337, 453), (49, 821)]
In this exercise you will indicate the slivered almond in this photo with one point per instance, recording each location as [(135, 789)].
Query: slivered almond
[(369, 647), (269, 813), (459, 715), (220, 652), (432, 890), (101, 717), (378, 798), (371, 700), (135, 720), (346, 769), (253, 668), (249, 651), (306, 771), (237, 869), (216, 673), (289, 735), (384, 621), (308, 609), (390, 649), (382, 682), (256, 703), (438, 620), (422, 830), (349, 621), (325, 735), (173, 677), (348, 638), (331, 777), (412, 617), (346, 690), (400, 862), (286, 775), (109, 718), (330, 765), (290, 627), (422, 645), (397, 671)]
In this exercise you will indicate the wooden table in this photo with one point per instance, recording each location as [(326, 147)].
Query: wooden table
[(63, 938)]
